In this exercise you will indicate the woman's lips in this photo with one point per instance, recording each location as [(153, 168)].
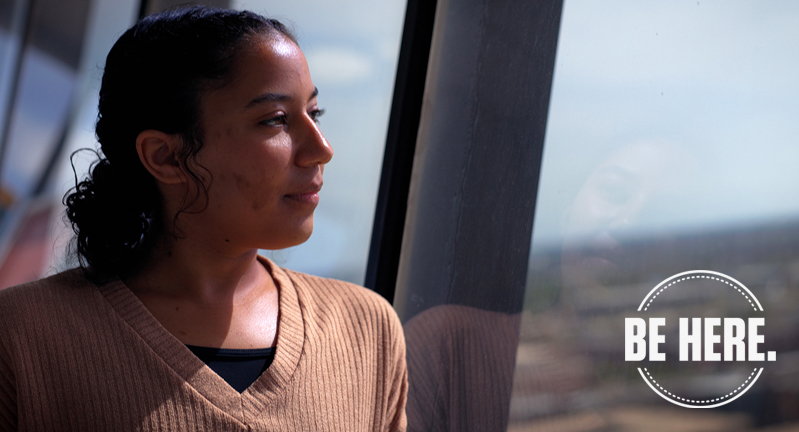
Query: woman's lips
[(305, 198), (310, 196)]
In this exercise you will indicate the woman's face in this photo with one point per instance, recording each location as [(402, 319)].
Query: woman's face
[(264, 150)]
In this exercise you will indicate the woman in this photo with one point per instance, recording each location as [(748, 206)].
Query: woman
[(207, 120)]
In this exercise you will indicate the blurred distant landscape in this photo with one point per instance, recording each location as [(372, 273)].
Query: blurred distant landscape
[(570, 372)]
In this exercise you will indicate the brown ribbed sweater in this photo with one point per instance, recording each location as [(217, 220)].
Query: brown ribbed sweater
[(78, 357)]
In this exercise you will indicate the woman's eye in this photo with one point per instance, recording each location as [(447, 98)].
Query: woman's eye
[(315, 114), (275, 121)]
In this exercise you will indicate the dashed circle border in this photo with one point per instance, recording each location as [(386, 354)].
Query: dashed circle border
[(718, 399), (680, 277), (721, 277), (700, 277)]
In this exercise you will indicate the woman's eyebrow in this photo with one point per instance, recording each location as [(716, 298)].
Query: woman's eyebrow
[(268, 97), (276, 97)]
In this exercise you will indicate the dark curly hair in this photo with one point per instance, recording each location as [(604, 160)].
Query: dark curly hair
[(154, 77)]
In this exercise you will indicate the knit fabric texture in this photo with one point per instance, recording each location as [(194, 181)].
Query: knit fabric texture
[(75, 356)]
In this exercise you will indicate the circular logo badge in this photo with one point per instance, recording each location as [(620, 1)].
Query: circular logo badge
[(697, 339)]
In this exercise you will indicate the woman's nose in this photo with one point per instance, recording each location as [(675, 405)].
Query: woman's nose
[(313, 147)]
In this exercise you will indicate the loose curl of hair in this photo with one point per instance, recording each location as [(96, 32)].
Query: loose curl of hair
[(154, 77)]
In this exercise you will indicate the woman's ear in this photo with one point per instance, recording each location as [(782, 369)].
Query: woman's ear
[(157, 152)]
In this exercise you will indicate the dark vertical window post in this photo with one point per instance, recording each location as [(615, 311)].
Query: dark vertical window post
[(478, 155), (462, 270), (381, 272)]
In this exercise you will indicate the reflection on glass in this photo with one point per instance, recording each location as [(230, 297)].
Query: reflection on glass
[(671, 146), (352, 50), (460, 363)]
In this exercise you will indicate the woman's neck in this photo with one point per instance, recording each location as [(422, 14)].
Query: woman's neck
[(209, 298)]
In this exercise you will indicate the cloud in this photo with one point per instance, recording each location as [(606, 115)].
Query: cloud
[(335, 66), (370, 21)]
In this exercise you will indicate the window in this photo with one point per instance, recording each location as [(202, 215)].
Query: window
[(670, 147), (43, 47)]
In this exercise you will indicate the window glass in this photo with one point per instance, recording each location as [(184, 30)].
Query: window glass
[(44, 90), (47, 80), (106, 21), (670, 147), (11, 20), (39, 95), (352, 48)]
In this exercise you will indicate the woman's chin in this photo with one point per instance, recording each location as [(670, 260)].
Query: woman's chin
[(292, 236)]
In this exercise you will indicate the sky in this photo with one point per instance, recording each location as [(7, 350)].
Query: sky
[(701, 98)]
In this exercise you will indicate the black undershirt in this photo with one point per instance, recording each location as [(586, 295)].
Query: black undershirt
[(239, 367)]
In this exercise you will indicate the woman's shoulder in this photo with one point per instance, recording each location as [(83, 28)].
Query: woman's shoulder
[(335, 311), (53, 285), (310, 288), (329, 301), (334, 291), (42, 297)]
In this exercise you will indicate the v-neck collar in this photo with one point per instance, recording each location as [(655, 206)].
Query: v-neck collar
[(290, 338)]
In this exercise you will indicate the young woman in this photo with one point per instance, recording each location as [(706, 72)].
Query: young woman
[(211, 149)]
